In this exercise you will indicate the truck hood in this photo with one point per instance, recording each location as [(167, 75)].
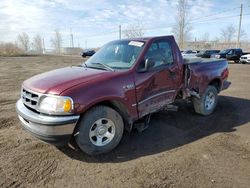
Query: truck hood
[(57, 81)]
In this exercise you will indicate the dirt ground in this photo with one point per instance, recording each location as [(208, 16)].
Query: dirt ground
[(180, 149)]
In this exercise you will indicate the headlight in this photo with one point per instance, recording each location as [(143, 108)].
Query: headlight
[(55, 105)]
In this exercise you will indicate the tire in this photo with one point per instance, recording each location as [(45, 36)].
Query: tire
[(208, 101), (236, 61), (99, 131)]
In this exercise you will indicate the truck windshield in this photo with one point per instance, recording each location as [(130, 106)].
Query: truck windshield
[(224, 51), (116, 55), (202, 52)]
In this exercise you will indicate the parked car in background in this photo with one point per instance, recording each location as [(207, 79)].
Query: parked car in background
[(189, 53), (245, 59), (232, 54), (207, 53), (86, 53)]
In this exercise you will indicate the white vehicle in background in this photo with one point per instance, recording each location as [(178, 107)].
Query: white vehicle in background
[(245, 59), (189, 53)]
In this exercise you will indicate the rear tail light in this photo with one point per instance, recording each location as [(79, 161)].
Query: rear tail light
[(225, 74)]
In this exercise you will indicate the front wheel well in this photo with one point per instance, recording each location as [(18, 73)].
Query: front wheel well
[(121, 109)]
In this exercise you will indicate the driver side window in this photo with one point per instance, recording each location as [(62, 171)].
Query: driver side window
[(161, 53), (230, 52)]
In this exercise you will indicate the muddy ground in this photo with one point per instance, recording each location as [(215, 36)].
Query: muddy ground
[(180, 149)]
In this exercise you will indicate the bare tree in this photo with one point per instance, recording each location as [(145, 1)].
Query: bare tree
[(228, 33), (24, 41), (10, 49), (243, 38), (57, 41), (182, 27), (243, 35), (134, 30), (205, 37), (203, 43), (38, 43)]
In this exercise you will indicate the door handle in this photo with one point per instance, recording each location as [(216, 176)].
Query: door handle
[(171, 73)]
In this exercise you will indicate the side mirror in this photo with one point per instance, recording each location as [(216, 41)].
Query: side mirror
[(149, 63)]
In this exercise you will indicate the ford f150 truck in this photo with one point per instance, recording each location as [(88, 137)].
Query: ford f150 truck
[(122, 84)]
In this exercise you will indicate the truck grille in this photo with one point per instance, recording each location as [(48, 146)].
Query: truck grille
[(29, 98), (243, 57)]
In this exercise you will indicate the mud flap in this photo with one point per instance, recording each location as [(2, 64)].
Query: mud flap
[(171, 107), (143, 124)]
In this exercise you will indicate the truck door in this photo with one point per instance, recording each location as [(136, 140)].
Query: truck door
[(231, 55), (159, 85)]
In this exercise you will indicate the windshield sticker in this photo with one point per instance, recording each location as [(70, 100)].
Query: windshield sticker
[(136, 43)]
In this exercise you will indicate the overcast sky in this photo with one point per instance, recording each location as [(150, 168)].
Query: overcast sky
[(95, 22)]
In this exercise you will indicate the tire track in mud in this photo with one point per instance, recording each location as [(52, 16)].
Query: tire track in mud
[(34, 164), (226, 158), (24, 161), (7, 101), (7, 122)]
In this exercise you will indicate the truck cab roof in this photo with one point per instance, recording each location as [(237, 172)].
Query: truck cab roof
[(145, 39), (225, 51)]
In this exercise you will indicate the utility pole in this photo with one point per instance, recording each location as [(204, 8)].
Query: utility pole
[(85, 44), (238, 38), (120, 32), (44, 47), (71, 38)]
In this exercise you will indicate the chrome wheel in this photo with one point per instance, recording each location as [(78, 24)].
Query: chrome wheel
[(102, 132), (209, 100)]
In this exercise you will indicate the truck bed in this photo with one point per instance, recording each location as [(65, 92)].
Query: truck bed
[(201, 60), (198, 72)]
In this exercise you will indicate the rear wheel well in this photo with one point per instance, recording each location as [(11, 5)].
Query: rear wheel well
[(216, 83)]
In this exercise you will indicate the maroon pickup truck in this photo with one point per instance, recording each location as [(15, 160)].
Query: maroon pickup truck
[(122, 84)]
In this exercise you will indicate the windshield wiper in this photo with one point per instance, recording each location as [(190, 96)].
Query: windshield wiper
[(104, 65), (84, 65)]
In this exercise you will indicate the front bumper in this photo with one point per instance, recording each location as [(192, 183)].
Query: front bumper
[(245, 60), (56, 130)]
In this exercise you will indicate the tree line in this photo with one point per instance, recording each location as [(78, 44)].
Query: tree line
[(37, 43), (183, 27)]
